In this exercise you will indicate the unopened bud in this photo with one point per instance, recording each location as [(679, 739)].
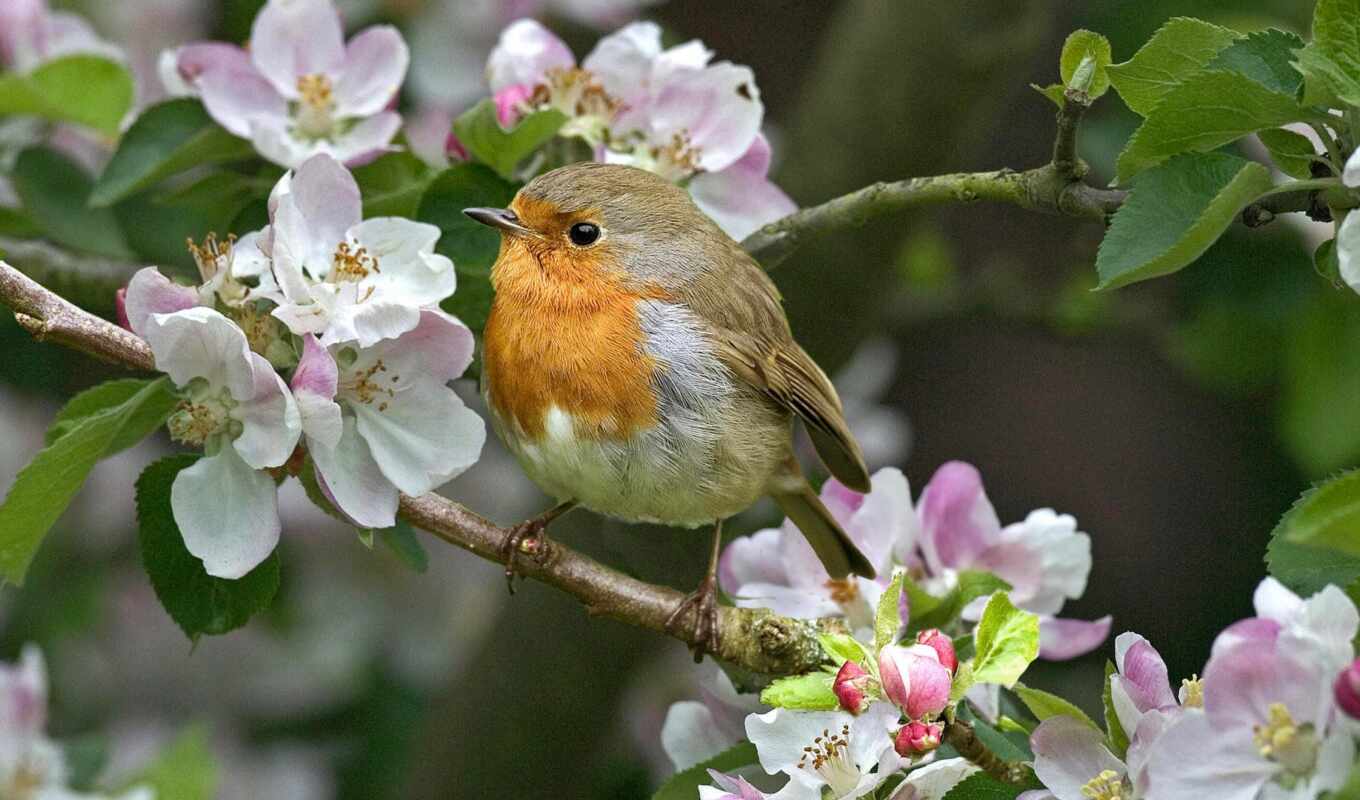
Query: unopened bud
[(510, 103), (914, 679), (852, 687), (943, 647), (120, 307), (917, 738), (1347, 689)]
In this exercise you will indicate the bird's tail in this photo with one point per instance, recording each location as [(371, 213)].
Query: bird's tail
[(833, 546)]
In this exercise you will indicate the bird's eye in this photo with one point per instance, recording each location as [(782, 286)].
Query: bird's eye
[(584, 233)]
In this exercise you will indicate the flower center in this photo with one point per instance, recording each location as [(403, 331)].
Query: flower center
[(372, 385), (203, 414), (828, 757), (576, 93), (1192, 690), (315, 113), (351, 264), (1292, 746), (24, 782), (1108, 785)]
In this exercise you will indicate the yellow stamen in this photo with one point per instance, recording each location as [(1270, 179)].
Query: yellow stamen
[(1108, 785), (315, 116), (1193, 691), (352, 264), (1286, 742)]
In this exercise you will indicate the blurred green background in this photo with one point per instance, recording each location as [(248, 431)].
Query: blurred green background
[(1175, 419)]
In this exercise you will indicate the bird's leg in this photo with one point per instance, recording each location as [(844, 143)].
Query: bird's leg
[(529, 538), (703, 601)]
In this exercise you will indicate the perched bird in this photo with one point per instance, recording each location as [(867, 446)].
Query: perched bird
[(638, 362)]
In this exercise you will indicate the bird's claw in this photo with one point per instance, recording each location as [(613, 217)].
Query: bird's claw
[(529, 539), (703, 602)]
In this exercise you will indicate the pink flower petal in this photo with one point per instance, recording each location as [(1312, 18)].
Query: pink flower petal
[(192, 60), (316, 371), (752, 559), (718, 108), (239, 99), (1061, 639), (149, 292), (524, 53), (957, 520), (375, 64), (1068, 753), (293, 38)]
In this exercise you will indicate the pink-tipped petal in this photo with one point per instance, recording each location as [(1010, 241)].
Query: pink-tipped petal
[(509, 103), (957, 520), (718, 108), (241, 100), (293, 38), (1061, 638), (523, 55)]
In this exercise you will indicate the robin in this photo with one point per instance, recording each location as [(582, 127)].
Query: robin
[(638, 362)]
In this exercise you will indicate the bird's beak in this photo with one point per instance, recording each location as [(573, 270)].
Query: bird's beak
[(502, 218)]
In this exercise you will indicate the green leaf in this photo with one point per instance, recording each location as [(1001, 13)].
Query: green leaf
[(1334, 55), (1350, 790), (1326, 516), (1266, 57), (1044, 705), (471, 245), (149, 415), (1180, 48), (1115, 736), (810, 692), (1326, 264), (502, 150), (14, 222), (1318, 422), (888, 615), (167, 139), (44, 488), (1205, 111), (393, 185), (401, 540), (1007, 641), (186, 770), (842, 648), (981, 786), (1174, 213), (963, 681), (1054, 91), (55, 192), (1325, 82), (85, 89), (684, 785), (1085, 58), (196, 601), (1292, 152), (930, 611)]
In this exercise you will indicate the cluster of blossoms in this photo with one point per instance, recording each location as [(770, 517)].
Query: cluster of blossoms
[(670, 111), (32, 766), (350, 307), (31, 34), (952, 528), (298, 89), (1275, 714)]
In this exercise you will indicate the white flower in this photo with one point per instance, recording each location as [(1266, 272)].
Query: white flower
[(826, 753), (697, 730), (240, 412), (339, 276), (32, 34), (381, 419)]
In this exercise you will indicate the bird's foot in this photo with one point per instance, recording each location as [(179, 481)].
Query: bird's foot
[(703, 604), (528, 539)]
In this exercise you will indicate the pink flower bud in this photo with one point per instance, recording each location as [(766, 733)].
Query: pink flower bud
[(943, 647), (851, 687), (914, 679), (120, 307), (1347, 689), (916, 738), (509, 101)]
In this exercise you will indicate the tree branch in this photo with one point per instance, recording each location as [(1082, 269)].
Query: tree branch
[(756, 640), (961, 736)]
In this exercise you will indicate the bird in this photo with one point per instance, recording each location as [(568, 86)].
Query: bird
[(638, 363)]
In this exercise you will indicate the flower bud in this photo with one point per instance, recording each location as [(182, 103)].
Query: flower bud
[(914, 679), (1347, 689), (916, 738), (943, 647), (851, 687), (510, 102), (120, 307)]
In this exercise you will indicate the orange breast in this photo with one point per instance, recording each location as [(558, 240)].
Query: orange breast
[(564, 335)]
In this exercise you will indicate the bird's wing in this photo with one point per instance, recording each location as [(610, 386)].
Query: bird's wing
[(754, 342)]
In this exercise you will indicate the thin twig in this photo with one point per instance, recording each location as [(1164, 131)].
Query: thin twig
[(961, 736)]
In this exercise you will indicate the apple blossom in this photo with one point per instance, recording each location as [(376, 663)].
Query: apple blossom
[(914, 679), (31, 34), (827, 753), (851, 687), (1044, 558), (1071, 759), (934, 780), (381, 420), (917, 738), (776, 567), (299, 89), (339, 276), (729, 787), (237, 409), (697, 730)]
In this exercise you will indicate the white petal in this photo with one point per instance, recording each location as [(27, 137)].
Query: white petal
[(242, 100), (227, 512), (356, 484), (524, 53), (327, 197), (1351, 174), (869, 737), (780, 735), (149, 292), (201, 343), (375, 64), (439, 349), (787, 601), (1273, 601), (270, 418), (424, 438), (367, 140), (320, 420), (718, 108), (622, 61), (1068, 753), (292, 38), (933, 781), (1348, 250), (752, 559), (409, 269), (689, 734), (740, 202), (885, 516), (274, 140), (1193, 761), (365, 323)]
